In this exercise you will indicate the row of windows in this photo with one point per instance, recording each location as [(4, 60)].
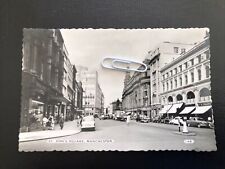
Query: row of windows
[(175, 84), (186, 65), (176, 50)]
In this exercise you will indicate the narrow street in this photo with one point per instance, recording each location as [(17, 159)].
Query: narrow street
[(117, 135)]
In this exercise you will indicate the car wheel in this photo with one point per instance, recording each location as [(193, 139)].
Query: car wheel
[(199, 126)]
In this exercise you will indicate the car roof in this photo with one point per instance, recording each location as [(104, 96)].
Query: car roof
[(89, 117)]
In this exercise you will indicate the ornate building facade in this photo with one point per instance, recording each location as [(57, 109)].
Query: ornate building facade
[(136, 93), (187, 79), (162, 55)]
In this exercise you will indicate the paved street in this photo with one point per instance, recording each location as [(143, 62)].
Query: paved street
[(116, 135)]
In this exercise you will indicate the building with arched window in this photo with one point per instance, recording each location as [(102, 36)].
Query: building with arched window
[(192, 80)]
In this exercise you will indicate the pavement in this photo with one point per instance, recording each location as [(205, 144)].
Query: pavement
[(116, 135), (70, 128)]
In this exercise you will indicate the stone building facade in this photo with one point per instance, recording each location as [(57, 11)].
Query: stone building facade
[(136, 93), (162, 55), (187, 79), (42, 75)]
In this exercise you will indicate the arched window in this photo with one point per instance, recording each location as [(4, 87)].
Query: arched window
[(180, 81), (192, 77), (207, 71), (170, 99), (204, 92), (186, 79), (179, 97), (199, 74), (175, 83), (190, 95)]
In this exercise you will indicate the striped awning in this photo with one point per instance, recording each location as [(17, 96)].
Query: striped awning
[(201, 109), (174, 108), (187, 110), (165, 109)]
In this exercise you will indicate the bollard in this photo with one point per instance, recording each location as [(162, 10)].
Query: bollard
[(185, 129)]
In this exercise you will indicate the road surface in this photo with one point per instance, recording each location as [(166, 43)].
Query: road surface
[(117, 135)]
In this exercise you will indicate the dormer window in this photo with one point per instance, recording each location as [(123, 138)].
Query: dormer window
[(176, 49)]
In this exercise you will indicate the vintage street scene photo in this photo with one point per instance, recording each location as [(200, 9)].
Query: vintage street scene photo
[(116, 89)]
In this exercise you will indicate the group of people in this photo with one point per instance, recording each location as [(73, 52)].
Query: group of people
[(50, 122)]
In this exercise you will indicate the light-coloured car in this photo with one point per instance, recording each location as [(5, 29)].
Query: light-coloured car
[(145, 119), (176, 121), (88, 122)]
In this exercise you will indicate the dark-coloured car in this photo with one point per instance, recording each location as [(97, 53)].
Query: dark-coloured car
[(165, 120), (197, 122)]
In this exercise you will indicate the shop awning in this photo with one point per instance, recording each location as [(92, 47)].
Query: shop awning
[(59, 99), (165, 109), (187, 110), (201, 109), (37, 102), (174, 108)]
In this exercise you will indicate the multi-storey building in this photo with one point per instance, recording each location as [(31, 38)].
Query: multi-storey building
[(93, 97), (68, 89), (136, 92), (116, 105), (162, 55), (187, 80), (42, 75)]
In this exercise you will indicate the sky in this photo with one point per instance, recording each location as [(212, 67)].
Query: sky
[(88, 47)]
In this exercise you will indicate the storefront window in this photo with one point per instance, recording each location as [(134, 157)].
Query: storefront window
[(36, 114)]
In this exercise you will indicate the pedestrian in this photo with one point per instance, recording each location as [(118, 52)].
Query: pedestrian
[(61, 122), (138, 118), (44, 122), (78, 121), (128, 120), (51, 122)]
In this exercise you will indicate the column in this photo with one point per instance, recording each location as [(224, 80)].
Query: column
[(184, 97), (195, 75)]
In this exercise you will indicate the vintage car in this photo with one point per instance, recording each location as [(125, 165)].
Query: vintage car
[(176, 121), (156, 119), (165, 120), (88, 122), (197, 122), (145, 119)]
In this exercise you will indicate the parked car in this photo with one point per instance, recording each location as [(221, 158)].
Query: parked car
[(102, 117), (118, 115), (95, 115), (197, 122), (133, 117), (156, 119), (145, 119), (176, 121), (88, 122), (165, 120)]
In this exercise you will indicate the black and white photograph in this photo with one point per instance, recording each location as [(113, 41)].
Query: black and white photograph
[(116, 90)]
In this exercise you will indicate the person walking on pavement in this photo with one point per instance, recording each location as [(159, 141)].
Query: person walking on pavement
[(51, 122), (78, 121), (61, 122)]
